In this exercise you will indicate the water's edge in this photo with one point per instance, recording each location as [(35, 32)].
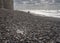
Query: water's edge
[(50, 13)]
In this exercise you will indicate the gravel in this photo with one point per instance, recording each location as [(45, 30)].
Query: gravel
[(36, 29)]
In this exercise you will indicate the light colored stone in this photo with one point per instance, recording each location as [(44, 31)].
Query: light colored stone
[(19, 31)]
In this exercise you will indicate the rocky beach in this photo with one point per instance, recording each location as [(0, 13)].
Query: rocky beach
[(23, 27)]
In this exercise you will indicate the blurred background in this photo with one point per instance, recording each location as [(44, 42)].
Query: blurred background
[(44, 7), (37, 4)]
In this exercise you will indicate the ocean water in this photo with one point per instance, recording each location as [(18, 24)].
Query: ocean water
[(49, 13)]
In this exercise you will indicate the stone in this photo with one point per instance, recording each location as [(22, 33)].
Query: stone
[(6, 4), (0, 3)]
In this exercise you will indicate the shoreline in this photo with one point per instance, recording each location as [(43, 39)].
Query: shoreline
[(48, 13)]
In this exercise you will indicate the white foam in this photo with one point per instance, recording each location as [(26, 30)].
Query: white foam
[(50, 13)]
